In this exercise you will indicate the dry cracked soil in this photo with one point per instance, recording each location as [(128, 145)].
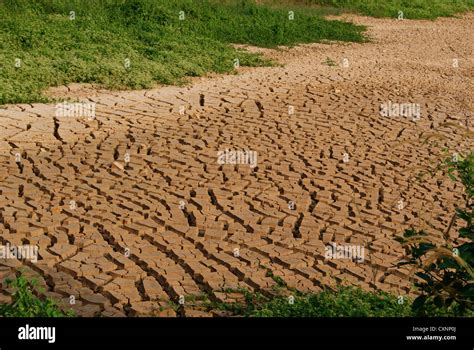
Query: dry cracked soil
[(131, 209)]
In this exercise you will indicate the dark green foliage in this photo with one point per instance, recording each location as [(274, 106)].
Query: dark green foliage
[(427, 9), (55, 50), (343, 302), (445, 273), (26, 303)]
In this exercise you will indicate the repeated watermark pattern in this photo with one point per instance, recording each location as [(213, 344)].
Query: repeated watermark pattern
[(235, 157), (77, 110), (407, 110), (22, 252), (349, 252)]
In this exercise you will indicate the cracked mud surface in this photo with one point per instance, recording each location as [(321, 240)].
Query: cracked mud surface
[(125, 238)]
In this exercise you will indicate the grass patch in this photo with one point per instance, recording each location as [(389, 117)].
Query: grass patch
[(412, 9), (43, 43), (281, 301), (343, 302), (330, 62), (27, 303)]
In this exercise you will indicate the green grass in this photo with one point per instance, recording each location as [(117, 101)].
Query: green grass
[(26, 302), (93, 48), (343, 302), (412, 9)]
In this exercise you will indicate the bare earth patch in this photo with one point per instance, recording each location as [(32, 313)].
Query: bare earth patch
[(131, 209)]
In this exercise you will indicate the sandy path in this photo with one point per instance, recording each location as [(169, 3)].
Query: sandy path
[(172, 222)]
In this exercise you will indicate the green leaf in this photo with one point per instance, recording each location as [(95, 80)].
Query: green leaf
[(468, 290), (425, 277), (421, 249), (418, 303), (447, 262), (439, 301), (466, 252), (463, 214), (412, 232), (467, 232)]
